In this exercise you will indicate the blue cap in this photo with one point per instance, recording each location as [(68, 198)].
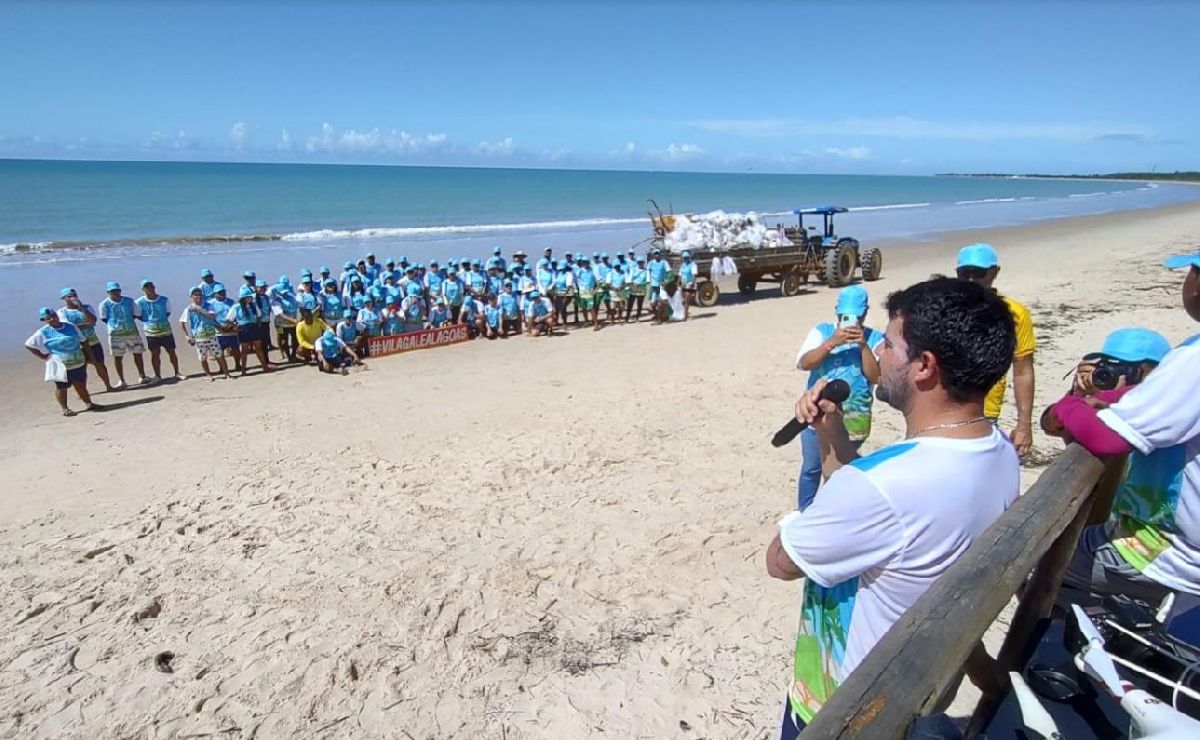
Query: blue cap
[(65, 292), (641, 258), (218, 288), (370, 255), (390, 261), (368, 298), (534, 294), (453, 261), (1135, 345), (452, 270), (260, 283), (508, 283), (596, 254), (248, 273), (686, 253), (306, 272), (347, 265), (112, 285), (1181, 261), (421, 265), (147, 281), (403, 260), (982, 256), (324, 270), (283, 280), (283, 288), (431, 263), (355, 278), (206, 273), (604, 255), (410, 268), (478, 263), (328, 334), (496, 250), (852, 300), (348, 313), (44, 313), (245, 292), (329, 281)]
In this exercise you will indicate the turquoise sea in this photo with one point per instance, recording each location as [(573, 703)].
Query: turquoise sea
[(83, 223)]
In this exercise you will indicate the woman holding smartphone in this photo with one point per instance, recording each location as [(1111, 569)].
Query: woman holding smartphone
[(844, 350)]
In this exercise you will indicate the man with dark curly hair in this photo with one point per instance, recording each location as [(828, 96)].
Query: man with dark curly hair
[(889, 524)]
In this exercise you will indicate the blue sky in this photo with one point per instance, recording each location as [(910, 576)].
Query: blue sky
[(783, 87)]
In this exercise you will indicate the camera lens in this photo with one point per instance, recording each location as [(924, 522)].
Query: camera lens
[(1105, 378)]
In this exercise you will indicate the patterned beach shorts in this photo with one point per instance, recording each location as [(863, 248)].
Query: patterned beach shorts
[(121, 346), (208, 349)]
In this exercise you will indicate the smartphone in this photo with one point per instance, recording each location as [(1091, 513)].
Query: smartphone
[(846, 320)]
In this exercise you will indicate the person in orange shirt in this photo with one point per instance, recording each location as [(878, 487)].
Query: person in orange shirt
[(980, 264)]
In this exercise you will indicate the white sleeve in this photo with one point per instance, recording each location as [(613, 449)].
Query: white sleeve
[(231, 314), (62, 314), (137, 310), (103, 316), (1164, 409), (849, 529), (38, 342), (183, 315), (811, 342)]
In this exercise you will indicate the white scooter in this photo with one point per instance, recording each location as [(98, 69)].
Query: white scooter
[(1150, 719)]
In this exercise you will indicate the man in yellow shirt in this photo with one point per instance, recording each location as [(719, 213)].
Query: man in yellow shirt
[(308, 331), (980, 264)]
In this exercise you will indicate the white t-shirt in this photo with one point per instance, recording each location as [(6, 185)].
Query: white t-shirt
[(1156, 515), (880, 532)]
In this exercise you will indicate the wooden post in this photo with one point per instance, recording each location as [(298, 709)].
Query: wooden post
[(921, 654)]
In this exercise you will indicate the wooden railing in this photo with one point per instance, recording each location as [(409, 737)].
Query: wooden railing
[(920, 659)]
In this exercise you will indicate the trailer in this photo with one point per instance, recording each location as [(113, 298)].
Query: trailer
[(829, 258)]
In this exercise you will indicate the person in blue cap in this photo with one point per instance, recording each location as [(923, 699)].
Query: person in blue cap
[(323, 274), (491, 317), (498, 260), (616, 283), (392, 316), (539, 315), (454, 291), (285, 310), (346, 274), (414, 308), (657, 269), (980, 264), (249, 278), (306, 287), (207, 283), (476, 280), (439, 314), (1125, 359), (154, 311), (372, 268), (587, 299), (227, 331), (843, 350), (59, 339), (688, 272), (200, 327), (510, 310), (351, 332), (119, 313), (639, 286), (262, 299), (495, 281), (433, 282), (562, 291), (245, 316), (334, 355), (1150, 547), (75, 311), (331, 303)]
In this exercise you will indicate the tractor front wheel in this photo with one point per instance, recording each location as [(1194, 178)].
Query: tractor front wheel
[(871, 260)]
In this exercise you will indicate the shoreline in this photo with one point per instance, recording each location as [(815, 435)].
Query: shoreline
[(532, 537)]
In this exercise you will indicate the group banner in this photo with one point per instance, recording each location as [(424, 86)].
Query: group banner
[(380, 346)]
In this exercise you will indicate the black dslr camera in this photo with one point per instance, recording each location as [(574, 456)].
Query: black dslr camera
[(1108, 372)]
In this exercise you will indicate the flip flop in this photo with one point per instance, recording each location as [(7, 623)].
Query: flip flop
[(69, 412)]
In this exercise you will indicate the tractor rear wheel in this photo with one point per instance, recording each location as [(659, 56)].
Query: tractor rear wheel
[(791, 282), (707, 294), (871, 260), (746, 285), (839, 265)]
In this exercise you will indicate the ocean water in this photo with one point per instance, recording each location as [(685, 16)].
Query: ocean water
[(83, 223)]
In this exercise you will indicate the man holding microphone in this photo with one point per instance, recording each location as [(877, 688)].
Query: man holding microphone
[(889, 524), (845, 350)]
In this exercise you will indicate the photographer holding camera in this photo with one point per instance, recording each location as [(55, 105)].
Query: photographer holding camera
[(1150, 546), (1103, 377), (889, 524), (842, 351)]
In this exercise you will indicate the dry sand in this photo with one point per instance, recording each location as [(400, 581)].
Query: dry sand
[(550, 538)]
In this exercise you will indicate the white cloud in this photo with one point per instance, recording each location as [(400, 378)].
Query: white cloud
[(904, 127), (285, 141), (630, 147), (239, 135), (676, 152), (375, 141), (852, 152), (504, 147), (159, 140)]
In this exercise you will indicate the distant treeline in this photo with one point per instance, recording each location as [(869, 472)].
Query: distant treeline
[(1173, 176)]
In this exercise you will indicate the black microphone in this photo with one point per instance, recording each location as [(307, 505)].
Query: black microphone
[(837, 391)]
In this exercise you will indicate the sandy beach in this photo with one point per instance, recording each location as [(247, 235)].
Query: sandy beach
[(550, 538)]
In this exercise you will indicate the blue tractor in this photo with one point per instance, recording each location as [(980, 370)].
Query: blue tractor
[(830, 257)]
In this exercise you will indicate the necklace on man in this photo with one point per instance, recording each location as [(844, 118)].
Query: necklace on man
[(947, 425)]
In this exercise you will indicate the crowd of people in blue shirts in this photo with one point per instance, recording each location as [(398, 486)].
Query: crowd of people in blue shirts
[(327, 320)]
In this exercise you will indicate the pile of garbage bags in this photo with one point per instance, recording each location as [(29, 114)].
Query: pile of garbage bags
[(720, 230)]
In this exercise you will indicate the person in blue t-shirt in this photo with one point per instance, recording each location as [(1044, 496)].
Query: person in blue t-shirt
[(539, 315), (657, 270), (244, 315), (433, 282), (155, 314), (393, 317), (454, 291), (688, 272), (439, 315), (61, 340), (119, 312), (285, 307), (351, 332), (639, 281), (333, 355), (84, 318), (371, 269), (491, 317), (208, 283), (510, 310), (846, 350), (370, 318)]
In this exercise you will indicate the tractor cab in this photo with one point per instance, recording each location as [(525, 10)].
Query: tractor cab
[(826, 237)]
